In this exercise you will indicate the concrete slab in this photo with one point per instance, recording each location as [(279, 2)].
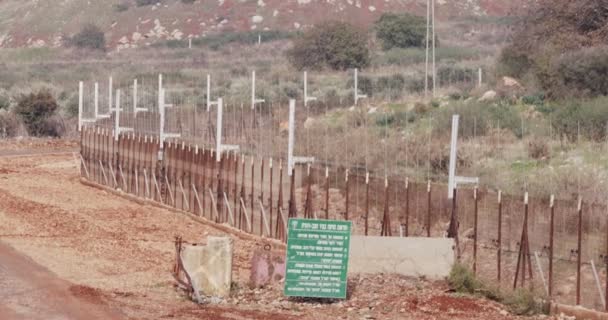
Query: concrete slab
[(210, 266), (432, 258)]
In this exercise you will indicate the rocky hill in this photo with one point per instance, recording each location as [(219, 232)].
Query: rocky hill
[(128, 23)]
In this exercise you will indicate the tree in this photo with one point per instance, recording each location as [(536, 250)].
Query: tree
[(90, 37), (337, 45), (35, 109), (401, 31)]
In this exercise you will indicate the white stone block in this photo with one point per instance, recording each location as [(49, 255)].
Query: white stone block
[(210, 266), (432, 258)]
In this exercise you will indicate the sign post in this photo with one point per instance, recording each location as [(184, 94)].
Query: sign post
[(317, 258)]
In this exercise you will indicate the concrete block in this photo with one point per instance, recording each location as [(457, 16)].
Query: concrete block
[(267, 267), (432, 258), (210, 266)]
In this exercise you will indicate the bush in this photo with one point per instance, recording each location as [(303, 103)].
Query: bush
[(463, 280), (401, 31), (141, 3), (337, 45), (36, 110), (121, 7), (587, 117), (366, 85), (9, 124), (582, 72), (538, 149), (5, 102), (188, 1), (90, 37)]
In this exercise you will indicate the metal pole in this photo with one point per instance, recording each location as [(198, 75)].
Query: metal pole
[(117, 117), (475, 232), (407, 206), (366, 202), (428, 214), (434, 45), (580, 253), (551, 235), (110, 92), (499, 253), (253, 92), (208, 92)]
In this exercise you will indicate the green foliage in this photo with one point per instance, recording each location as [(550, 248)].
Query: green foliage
[(409, 56), (583, 71), (188, 1), (401, 31), (519, 302), (589, 118), (523, 303), (121, 7), (560, 45), (36, 110), (89, 37), (366, 85), (9, 124), (337, 45), (513, 62), (141, 3), (537, 99), (219, 40), (477, 117), (5, 102), (463, 280)]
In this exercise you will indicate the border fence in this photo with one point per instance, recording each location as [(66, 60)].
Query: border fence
[(555, 246)]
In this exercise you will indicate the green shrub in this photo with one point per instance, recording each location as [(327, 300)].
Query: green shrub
[(36, 110), (121, 7), (589, 118), (366, 85), (537, 99), (582, 72), (477, 117), (415, 85), (89, 37), (337, 45), (523, 303), (463, 280), (5, 102), (141, 3), (188, 1), (401, 31), (9, 124)]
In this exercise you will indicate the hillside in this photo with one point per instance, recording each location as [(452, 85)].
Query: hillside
[(34, 23)]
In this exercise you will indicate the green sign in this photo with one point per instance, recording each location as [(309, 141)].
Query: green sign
[(317, 258)]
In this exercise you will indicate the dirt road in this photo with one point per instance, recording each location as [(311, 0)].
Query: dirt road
[(29, 291)]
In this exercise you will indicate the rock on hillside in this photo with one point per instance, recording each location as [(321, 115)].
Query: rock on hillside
[(45, 23)]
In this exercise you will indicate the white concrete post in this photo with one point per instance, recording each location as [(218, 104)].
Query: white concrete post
[(306, 97), (252, 90), (357, 95), (161, 102), (96, 100), (218, 138), (453, 146), (110, 92), (135, 109), (259, 40), (117, 117), (254, 100), (480, 75), (292, 117), (161, 111), (80, 104), (356, 86), (190, 43)]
